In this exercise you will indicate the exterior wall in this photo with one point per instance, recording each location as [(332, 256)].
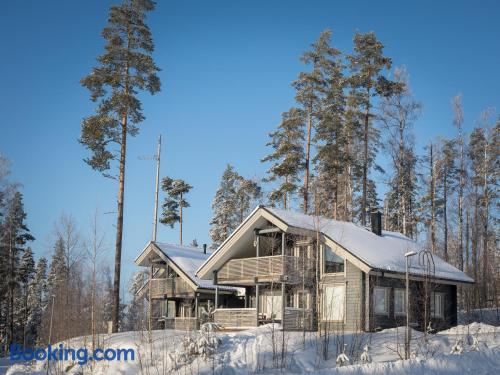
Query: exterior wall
[(352, 278), (417, 305)]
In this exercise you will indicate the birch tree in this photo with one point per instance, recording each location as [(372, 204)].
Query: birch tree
[(398, 113)]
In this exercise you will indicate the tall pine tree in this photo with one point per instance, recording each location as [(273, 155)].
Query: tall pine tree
[(287, 157), (174, 202), (367, 81), (232, 203), (310, 88), (125, 68)]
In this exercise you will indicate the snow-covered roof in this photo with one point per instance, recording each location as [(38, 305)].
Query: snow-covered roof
[(189, 259), (385, 252)]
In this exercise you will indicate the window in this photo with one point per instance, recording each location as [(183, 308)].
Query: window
[(271, 304), (380, 301), (302, 299), (333, 263), (437, 305), (399, 302), (334, 303)]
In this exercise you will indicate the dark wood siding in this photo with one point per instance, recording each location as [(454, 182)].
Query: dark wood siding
[(417, 304)]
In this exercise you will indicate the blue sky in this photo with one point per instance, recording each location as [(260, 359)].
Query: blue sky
[(226, 73)]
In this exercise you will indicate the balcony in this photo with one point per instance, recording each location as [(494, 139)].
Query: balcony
[(170, 287), (278, 268)]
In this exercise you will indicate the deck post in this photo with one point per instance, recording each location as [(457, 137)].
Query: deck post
[(216, 302), (196, 306), (150, 315), (283, 281), (257, 244)]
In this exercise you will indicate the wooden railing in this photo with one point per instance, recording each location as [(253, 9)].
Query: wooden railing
[(236, 318), (169, 287), (270, 268), (298, 319), (180, 323)]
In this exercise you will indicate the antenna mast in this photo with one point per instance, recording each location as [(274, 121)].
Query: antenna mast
[(155, 217)]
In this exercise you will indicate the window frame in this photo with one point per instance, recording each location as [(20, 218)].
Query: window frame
[(403, 291), (387, 296), (307, 294), (323, 261), (344, 312), (432, 306)]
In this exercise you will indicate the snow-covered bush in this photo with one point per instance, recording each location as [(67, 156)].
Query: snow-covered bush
[(343, 359), (365, 356), (457, 348)]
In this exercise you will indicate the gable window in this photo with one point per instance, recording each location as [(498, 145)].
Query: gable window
[(334, 303), (381, 301), (399, 302), (332, 262), (437, 305)]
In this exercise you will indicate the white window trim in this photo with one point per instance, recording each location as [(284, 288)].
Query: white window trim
[(387, 295), (307, 293), (323, 301), (323, 248), (396, 313)]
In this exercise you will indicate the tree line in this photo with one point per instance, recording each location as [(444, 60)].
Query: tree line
[(354, 111)]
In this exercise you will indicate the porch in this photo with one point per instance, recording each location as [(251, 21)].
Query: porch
[(244, 318)]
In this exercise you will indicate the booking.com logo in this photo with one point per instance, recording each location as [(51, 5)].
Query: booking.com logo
[(60, 353)]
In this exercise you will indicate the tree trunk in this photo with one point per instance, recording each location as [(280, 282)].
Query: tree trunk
[(307, 157), (485, 230), (475, 243), (445, 214), (119, 228), (180, 222), (433, 201), (365, 160)]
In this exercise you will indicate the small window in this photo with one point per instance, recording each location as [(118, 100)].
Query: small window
[(380, 301), (399, 301), (437, 305), (302, 299), (333, 263)]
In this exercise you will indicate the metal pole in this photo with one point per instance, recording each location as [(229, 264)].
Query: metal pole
[(257, 304), (407, 333), (50, 328), (155, 217)]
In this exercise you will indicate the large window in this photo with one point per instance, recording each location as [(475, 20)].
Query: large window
[(399, 302), (437, 305), (381, 301), (333, 263), (334, 303), (271, 304)]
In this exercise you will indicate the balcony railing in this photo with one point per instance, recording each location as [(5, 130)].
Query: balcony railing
[(169, 287), (278, 268), (298, 319), (236, 318)]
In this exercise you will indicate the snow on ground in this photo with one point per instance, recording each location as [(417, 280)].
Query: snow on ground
[(251, 351), (488, 316)]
